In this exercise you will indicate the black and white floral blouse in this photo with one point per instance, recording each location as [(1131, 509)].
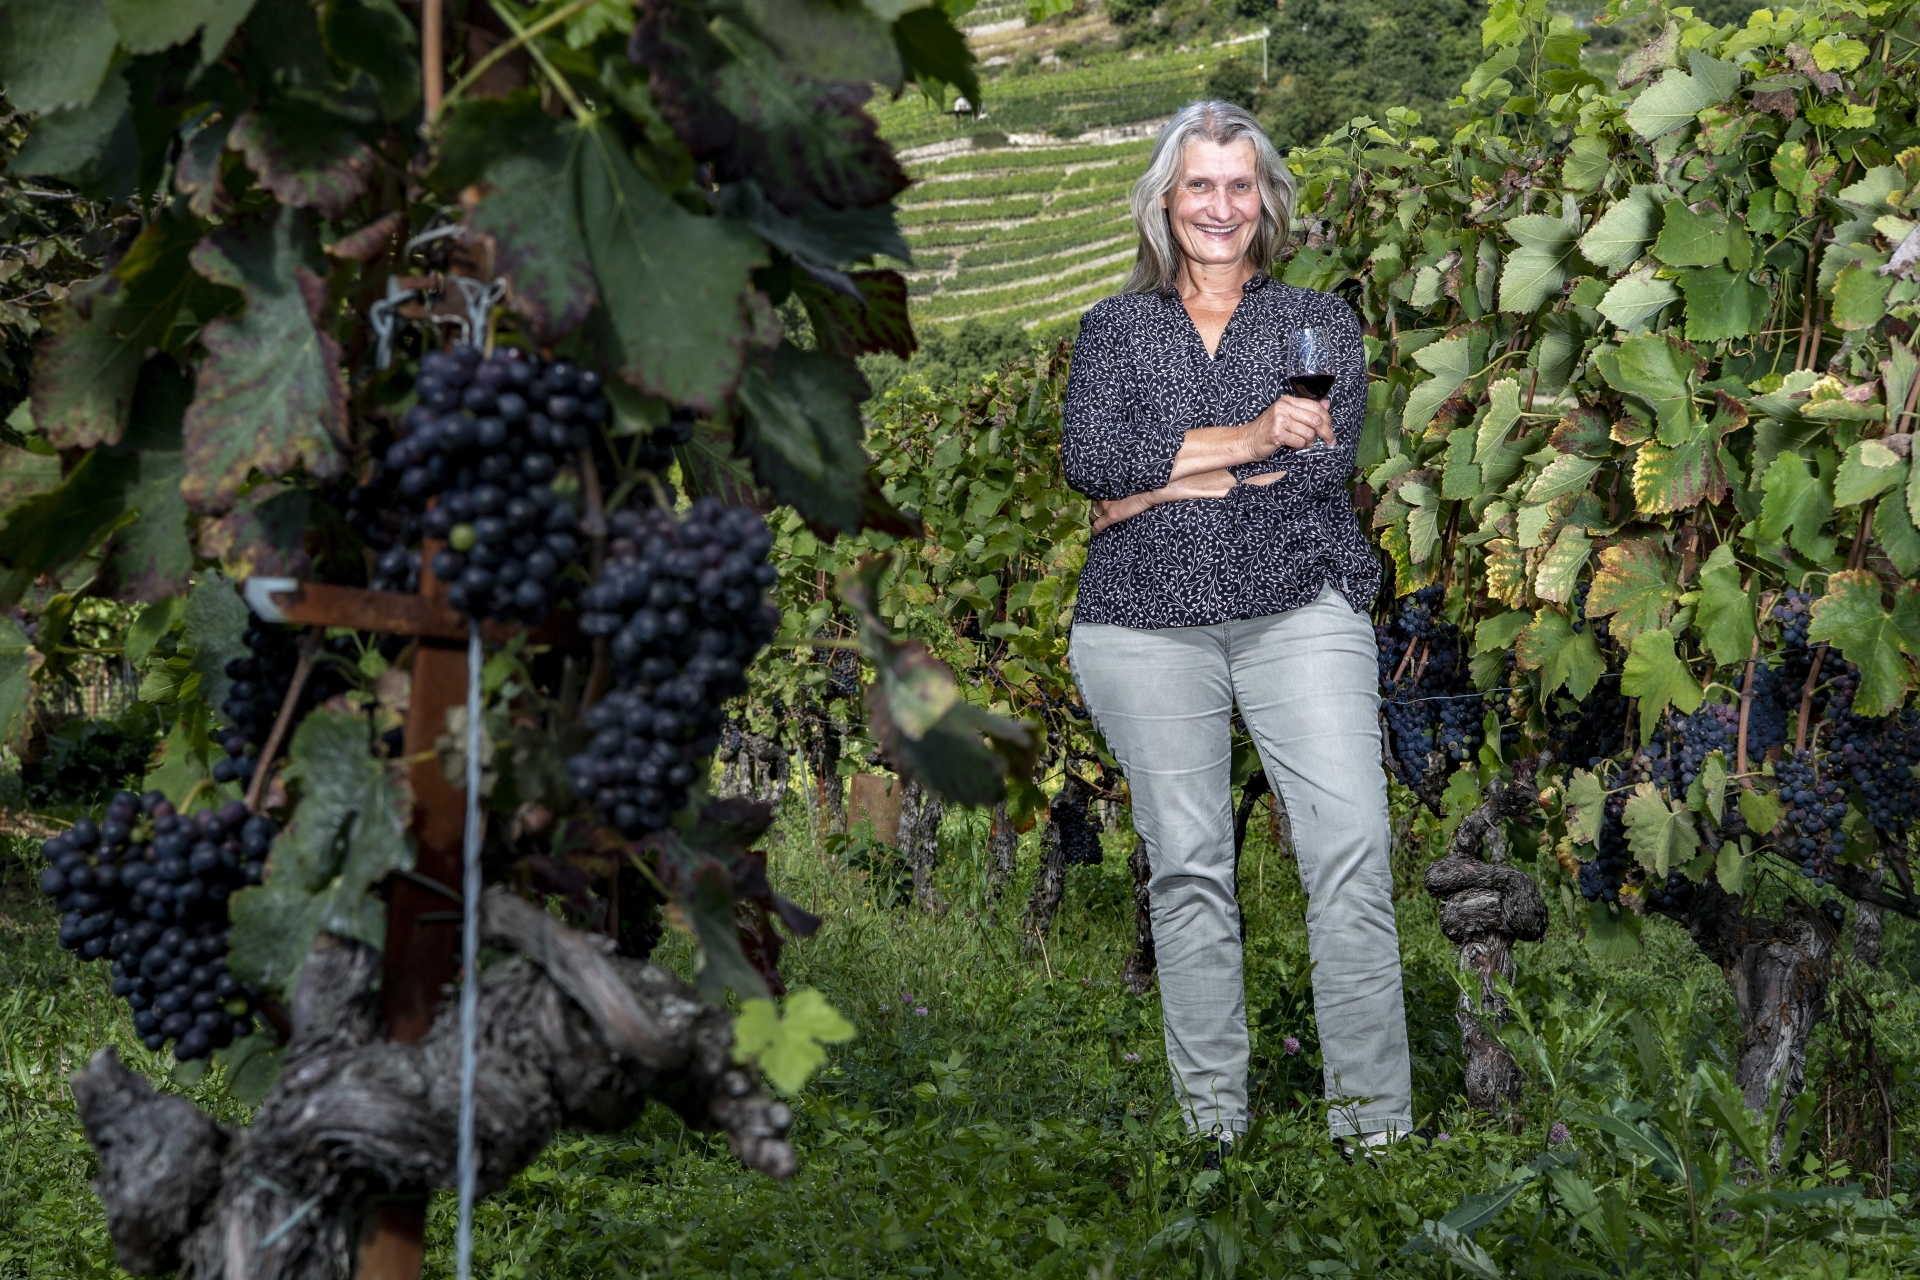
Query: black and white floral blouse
[(1141, 378)]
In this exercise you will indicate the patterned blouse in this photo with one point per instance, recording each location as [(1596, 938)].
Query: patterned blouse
[(1141, 378)]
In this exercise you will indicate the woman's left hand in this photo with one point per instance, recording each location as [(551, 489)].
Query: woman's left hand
[(1206, 484)]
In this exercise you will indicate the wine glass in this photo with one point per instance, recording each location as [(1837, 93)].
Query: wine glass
[(1310, 367)]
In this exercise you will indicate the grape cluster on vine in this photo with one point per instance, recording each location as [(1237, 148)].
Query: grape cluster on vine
[(148, 888), (260, 683), (1810, 831), (1079, 834), (1878, 754), (1586, 732), (1434, 715), (1603, 875), (681, 607), (1714, 727)]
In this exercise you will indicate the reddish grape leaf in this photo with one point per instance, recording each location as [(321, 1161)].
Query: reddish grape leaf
[(263, 536), (150, 558), (306, 159), (271, 395), (674, 284), (197, 174), (738, 107), (536, 235), (874, 319), (84, 375), (1583, 430)]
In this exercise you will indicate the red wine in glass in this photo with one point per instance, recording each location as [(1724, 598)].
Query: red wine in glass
[(1312, 386), (1310, 360)]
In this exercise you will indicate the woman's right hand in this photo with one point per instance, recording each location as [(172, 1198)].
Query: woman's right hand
[(1205, 484)]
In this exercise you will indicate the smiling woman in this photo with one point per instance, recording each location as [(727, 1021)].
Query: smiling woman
[(1227, 567)]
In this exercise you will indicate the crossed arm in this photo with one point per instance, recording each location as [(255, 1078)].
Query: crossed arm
[(1201, 468)]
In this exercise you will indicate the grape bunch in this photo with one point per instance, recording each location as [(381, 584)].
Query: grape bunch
[(477, 455), (1675, 895), (1810, 831), (148, 888), (1434, 715), (1793, 610), (1879, 754), (1585, 733), (1767, 718), (1714, 727), (1602, 876), (680, 603), (1078, 833), (260, 683)]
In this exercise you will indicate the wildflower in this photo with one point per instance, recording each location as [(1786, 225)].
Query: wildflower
[(1291, 1044), (1558, 1134), (921, 1011), (1445, 1137), (1131, 1057)]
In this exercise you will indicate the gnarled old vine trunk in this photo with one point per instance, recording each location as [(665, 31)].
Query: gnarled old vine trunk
[(1779, 971), (1137, 973), (569, 1036), (920, 814), (1485, 907)]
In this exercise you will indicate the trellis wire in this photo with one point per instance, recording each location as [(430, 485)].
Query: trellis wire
[(465, 1165)]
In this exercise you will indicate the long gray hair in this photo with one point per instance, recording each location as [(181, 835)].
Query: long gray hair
[(1156, 266)]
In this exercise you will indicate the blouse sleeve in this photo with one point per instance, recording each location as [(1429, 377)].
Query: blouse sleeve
[(1107, 448)]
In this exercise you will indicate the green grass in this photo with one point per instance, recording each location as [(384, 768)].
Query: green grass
[(1007, 1131)]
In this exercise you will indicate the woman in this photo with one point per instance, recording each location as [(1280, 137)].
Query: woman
[(1227, 567)]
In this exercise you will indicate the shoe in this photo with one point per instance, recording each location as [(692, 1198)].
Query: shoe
[(1216, 1152)]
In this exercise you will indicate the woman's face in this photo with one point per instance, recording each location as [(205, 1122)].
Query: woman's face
[(1215, 206)]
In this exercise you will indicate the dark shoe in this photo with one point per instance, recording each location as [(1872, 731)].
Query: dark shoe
[(1216, 1151)]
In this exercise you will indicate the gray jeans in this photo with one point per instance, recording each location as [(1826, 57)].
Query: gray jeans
[(1308, 689)]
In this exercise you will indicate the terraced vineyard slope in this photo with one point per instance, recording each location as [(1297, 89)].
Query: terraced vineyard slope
[(1019, 214)]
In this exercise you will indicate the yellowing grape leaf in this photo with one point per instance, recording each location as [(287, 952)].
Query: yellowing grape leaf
[(1636, 585), (788, 1049), (1551, 647), (1586, 806), (1869, 469)]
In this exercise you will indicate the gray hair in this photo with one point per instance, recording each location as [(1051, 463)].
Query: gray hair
[(1157, 263)]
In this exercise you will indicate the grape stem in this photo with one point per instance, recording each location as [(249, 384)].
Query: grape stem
[(1746, 695), (500, 51), (1806, 699), (301, 670)]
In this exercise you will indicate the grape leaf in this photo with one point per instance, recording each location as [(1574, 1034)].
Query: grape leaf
[(1722, 304), (1536, 270), (1451, 362), (1636, 298), (1583, 431), (1658, 369), (1616, 238), (875, 319), (376, 37), (1679, 96), (1660, 835), (50, 530), (17, 661), (54, 53), (1894, 530), (1676, 478), (263, 536), (23, 474), (1635, 583), (1761, 810), (307, 159), (1503, 410), (934, 51), (790, 1049), (827, 237), (1655, 675), (1859, 297), (148, 26), (1586, 165), (149, 558), (1567, 473), (92, 146), (1496, 634), (1708, 792), (212, 625), (348, 832), (828, 41), (270, 395), (804, 433), (1586, 806), (1801, 180), (1868, 470), (1795, 500), (1689, 239), (1559, 572), (531, 215), (1724, 614), (1851, 617), (674, 284), (1551, 647)]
